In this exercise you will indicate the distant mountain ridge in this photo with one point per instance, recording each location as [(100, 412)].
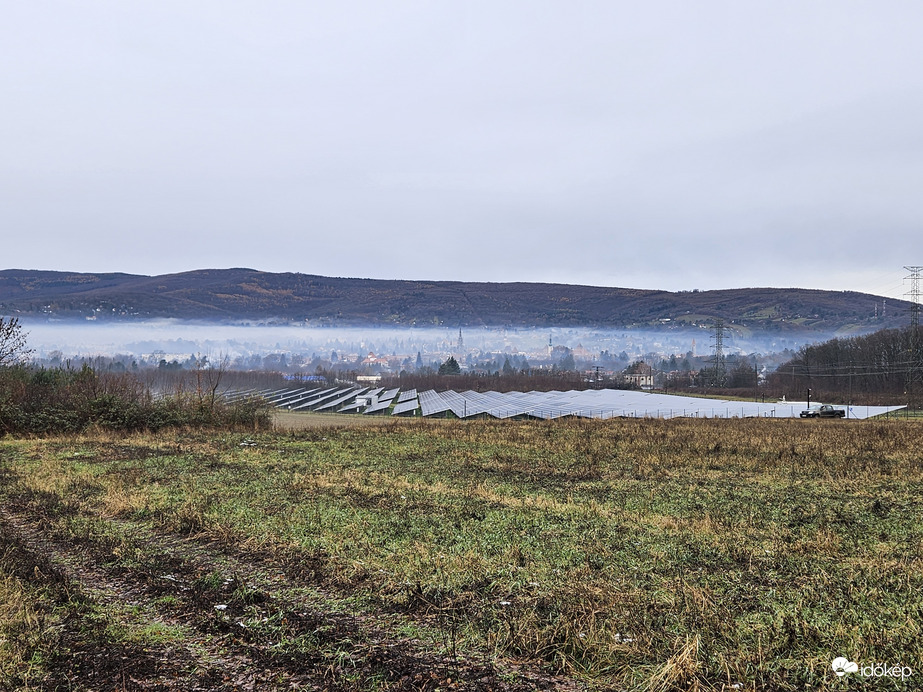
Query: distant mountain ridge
[(248, 294)]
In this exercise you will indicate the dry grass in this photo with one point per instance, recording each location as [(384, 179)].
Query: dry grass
[(635, 554), (294, 421), (21, 630)]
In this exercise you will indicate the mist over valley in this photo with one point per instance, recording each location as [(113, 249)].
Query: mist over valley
[(301, 348), (252, 320)]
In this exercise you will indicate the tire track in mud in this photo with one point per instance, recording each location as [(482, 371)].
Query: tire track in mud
[(92, 658), (248, 622)]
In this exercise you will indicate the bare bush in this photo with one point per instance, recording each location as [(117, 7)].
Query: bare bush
[(13, 344)]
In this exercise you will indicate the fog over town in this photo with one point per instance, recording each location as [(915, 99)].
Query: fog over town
[(173, 343)]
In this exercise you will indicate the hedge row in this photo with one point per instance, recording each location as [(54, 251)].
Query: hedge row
[(66, 400)]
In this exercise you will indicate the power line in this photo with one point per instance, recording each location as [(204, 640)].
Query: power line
[(809, 371)]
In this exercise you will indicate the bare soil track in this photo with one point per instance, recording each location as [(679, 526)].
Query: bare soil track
[(228, 620)]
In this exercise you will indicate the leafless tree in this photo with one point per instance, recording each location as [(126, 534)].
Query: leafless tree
[(208, 376), (13, 344)]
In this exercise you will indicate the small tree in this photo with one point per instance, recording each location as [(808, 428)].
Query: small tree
[(744, 375), (450, 367), (568, 362), (13, 348)]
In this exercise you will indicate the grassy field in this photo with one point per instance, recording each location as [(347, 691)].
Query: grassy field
[(296, 420), (476, 555)]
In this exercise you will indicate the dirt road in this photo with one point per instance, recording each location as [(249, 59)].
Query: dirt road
[(128, 608)]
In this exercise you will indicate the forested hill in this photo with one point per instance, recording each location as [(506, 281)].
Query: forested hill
[(246, 294)]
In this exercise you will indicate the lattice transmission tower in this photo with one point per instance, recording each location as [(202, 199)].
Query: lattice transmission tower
[(914, 295), (719, 372), (915, 374)]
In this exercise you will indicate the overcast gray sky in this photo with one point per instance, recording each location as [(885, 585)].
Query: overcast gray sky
[(672, 145)]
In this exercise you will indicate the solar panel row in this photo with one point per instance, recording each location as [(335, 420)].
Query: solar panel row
[(315, 401), (340, 400), (305, 397)]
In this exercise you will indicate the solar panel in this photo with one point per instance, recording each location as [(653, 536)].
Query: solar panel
[(380, 407), (406, 396), (476, 402), (405, 407), (509, 404), (431, 404), (457, 404)]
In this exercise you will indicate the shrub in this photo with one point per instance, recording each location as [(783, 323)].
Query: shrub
[(68, 400)]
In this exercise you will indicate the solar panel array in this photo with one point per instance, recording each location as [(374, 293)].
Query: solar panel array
[(611, 403), (592, 403)]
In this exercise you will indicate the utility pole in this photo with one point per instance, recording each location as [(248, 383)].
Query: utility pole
[(718, 358), (849, 399)]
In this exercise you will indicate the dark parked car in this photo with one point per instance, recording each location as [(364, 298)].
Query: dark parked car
[(823, 411)]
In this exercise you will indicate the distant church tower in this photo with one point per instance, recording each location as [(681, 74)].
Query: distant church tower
[(461, 342), (550, 349)]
